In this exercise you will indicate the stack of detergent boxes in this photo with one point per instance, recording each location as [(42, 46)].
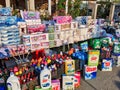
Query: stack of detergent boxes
[(71, 79)]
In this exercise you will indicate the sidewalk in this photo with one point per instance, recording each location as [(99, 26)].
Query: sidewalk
[(105, 81)]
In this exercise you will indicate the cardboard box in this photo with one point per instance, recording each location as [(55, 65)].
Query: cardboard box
[(65, 26), (26, 39), (35, 46), (56, 84), (44, 44), (43, 37), (35, 38), (90, 72), (77, 78), (107, 64), (93, 57), (69, 67), (68, 82), (57, 27), (74, 25)]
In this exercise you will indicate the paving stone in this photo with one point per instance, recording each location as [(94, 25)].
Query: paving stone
[(109, 80)]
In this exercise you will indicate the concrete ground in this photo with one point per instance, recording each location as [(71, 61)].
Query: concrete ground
[(109, 80)]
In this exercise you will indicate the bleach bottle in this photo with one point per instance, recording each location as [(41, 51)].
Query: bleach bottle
[(13, 82), (45, 78)]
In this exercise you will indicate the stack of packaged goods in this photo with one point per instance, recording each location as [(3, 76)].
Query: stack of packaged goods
[(8, 31)]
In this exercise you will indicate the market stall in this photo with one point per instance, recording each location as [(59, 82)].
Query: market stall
[(38, 55)]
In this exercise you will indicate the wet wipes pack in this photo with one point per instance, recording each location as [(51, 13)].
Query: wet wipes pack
[(5, 11), (11, 20), (8, 20)]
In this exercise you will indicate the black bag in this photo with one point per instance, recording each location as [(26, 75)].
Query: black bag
[(10, 64)]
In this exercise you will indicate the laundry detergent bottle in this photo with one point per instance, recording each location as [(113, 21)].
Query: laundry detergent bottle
[(45, 78), (13, 82)]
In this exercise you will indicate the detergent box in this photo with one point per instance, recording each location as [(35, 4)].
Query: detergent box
[(36, 88), (96, 43), (116, 59), (69, 67), (84, 46), (93, 57), (116, 48), (67, 82), (107, 64), (56, 84), (90, 72), (77, 77)]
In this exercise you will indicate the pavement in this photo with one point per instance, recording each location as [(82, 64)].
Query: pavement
[(106, 80)]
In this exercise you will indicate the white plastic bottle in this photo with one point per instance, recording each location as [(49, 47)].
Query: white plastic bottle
[(45, 78), (13, 82)]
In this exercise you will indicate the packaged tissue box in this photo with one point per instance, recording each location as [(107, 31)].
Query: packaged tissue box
[(74, 25), (62, 19), (26, 39), (51, 29), (51, 44), (35, 46), (43, 37), (44, 44), (57, 27), (51, 36), (65, 26), (35, 38)]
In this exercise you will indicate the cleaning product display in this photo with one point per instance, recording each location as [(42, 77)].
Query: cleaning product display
[(54, 54)]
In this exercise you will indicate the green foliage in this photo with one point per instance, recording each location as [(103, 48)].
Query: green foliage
[(74, 8), (61, 4), (103, 9)]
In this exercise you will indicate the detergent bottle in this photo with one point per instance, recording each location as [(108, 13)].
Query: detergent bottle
[(13, 82), (45, 78)]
